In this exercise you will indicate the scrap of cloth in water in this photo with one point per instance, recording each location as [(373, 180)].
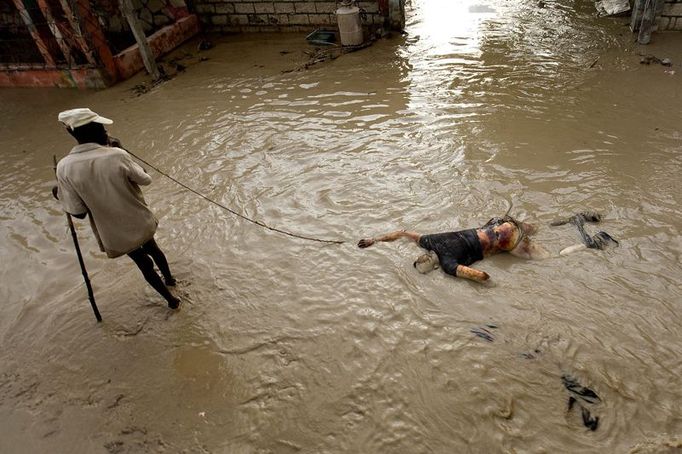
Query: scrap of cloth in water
[(454, 248), (581, 395)]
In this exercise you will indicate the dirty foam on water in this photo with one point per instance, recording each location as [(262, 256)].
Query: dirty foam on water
[(284, 345)]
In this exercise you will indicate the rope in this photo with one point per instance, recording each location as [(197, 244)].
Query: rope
[(220, 205)]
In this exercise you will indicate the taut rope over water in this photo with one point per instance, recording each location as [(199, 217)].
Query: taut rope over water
[(220, 205)]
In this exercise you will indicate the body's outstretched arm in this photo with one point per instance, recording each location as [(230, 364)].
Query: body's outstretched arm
[(392, 236), (473, 274)]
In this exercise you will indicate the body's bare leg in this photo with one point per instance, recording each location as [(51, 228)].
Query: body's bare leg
[(471, 273), (367, 242)]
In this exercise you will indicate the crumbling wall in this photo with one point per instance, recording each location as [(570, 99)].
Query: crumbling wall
[(671, 16), (153, 14), (278, 15)]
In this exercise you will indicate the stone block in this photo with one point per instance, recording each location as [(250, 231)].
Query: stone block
[(370, 7), (240, 19), (205, 8), (284, 8), (325, 7), (220, 19), (304, 7), (161, 19), (672, 9), (264, 7), (116, 24), (244, 8), (224, 8), (281, 18), (299, 19), (146, 19), (156, 5), (321, 19), (177, 3), (256, 19)]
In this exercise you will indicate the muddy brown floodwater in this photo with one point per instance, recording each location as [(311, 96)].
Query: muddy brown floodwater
[(288, 346)]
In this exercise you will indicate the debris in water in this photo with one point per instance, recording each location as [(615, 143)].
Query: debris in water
[(174, 66), (649, 59), (331, 52), (585, 398), (483, 333), (582, 392), (531, 355), (322, 37), (205, 45), (611, 7)]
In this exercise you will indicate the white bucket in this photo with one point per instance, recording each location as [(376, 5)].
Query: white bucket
[(350, 28)]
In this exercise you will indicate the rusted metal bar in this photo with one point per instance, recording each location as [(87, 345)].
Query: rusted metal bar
[(35, 34), (77, 33), (93, 31), (54, 28)]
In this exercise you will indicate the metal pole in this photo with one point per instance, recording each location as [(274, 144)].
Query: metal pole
[(648, 20), (146, 53), (91, 295)]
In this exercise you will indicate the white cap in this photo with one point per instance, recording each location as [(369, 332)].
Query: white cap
[(78, 117)]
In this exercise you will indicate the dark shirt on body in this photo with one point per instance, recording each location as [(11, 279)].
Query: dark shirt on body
[(454, 248)]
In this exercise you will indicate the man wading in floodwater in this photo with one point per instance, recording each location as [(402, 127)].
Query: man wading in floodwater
[(100, 179)]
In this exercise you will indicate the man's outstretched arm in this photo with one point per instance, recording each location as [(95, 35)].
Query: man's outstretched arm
[(367, 242)]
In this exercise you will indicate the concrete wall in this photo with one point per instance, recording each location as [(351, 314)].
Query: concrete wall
[(277, 15), (671, 16)]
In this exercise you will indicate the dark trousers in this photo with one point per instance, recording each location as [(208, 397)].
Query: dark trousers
[(145, 257)]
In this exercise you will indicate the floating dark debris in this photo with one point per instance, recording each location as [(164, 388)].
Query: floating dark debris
[(332, 52), (649, 59), (322, 37)]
